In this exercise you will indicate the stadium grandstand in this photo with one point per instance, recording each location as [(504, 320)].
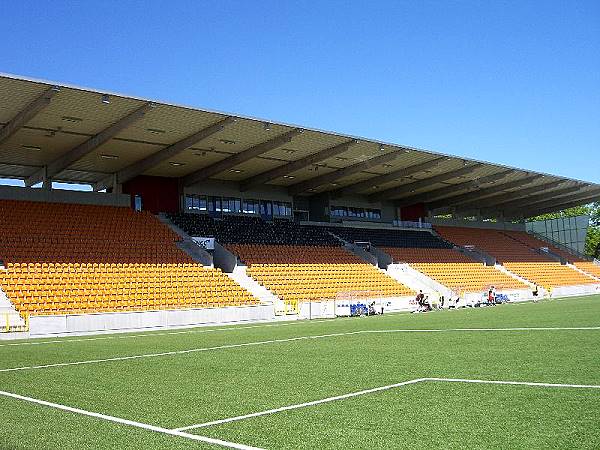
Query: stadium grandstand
[(194, 216)]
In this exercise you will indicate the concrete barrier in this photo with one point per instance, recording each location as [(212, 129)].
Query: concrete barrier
[(65, 324), (224, 259)]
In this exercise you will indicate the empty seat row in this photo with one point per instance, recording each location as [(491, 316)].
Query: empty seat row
[(295, 283), (81, 259), (549, 274), (110, 288), (468, 277), (292, 254), (390, 237), (589, 267), (533, 242), (234, 229), (493, 242), (426, 255)]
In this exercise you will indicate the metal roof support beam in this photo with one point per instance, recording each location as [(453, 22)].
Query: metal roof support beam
[(239, 158), (555, 208), (504, 198), (553, 204), (451, 189), (75, 154), (139, 167), (482, 193), (28, 113), (399, 191), (388, 177), (533, 199), (293, 166), (343, 172)]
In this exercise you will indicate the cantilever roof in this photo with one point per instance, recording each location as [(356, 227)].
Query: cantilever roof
[(72, 134)]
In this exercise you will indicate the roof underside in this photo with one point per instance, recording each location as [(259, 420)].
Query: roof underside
[(68, 134)]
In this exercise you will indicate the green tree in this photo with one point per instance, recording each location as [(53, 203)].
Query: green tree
[(570, 212), (592, 243)]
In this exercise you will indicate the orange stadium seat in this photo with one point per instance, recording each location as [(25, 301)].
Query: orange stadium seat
[(307, 273), (519, 253), (589, 268), (454, 269), (66, 258), (550, 275)]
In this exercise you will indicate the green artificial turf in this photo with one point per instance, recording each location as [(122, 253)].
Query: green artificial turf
[(178, 390)]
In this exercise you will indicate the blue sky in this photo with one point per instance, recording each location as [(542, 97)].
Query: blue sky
[(508, 82)]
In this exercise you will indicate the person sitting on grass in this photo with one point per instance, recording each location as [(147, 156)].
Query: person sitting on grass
[(372, 309), (422, 302)]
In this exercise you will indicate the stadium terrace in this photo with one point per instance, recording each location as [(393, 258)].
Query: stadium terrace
[(206, 288), (201, 217)]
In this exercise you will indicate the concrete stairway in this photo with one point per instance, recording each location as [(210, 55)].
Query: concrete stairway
[(260, 292), (8, 314), (416, 280), (504, 270), (574, 267), (186, 244)]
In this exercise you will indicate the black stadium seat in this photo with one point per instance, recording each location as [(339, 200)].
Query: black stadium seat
[(390, 237), (252, 230)]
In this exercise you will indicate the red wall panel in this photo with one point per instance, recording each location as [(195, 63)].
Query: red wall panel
[(413, 212), (159, 194)]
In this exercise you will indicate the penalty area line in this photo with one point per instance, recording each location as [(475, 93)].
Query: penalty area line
[(380, 389), (301, 405), (131, 423), (293, 339)]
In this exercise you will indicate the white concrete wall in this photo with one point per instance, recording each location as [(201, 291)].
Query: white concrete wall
[(570, 291), (143, 320), (340, 308)]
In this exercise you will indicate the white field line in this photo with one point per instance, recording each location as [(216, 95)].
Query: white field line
[(293, 339), (196, 330), (300, 405), (379, 389), (176, 352), (516, 383), (165, 333), (130, 422)]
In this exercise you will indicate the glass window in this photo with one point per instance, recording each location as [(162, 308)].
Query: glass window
[(138, 203), (338, 211), (225, 205), (195, 203), (250, 206), (282, 209), (373, 213), (214, 204), (231, 205)]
